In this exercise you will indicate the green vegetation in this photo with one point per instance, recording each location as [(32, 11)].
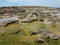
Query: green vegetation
[(18, 34)]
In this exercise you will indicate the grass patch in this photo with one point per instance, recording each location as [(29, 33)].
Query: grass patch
[(18, 34)]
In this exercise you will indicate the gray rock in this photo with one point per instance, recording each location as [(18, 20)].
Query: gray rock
[(47, 34), (40, 31), (44, 35), (39, 40), (43, 30), (29, 19), (33, 32), (54, 37), (6, 21), (26, 20), (33, 18)]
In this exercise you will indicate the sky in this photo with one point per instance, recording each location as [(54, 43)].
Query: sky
[(50, 3)]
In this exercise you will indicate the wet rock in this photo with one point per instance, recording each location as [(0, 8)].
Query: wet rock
[(39, 40)]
